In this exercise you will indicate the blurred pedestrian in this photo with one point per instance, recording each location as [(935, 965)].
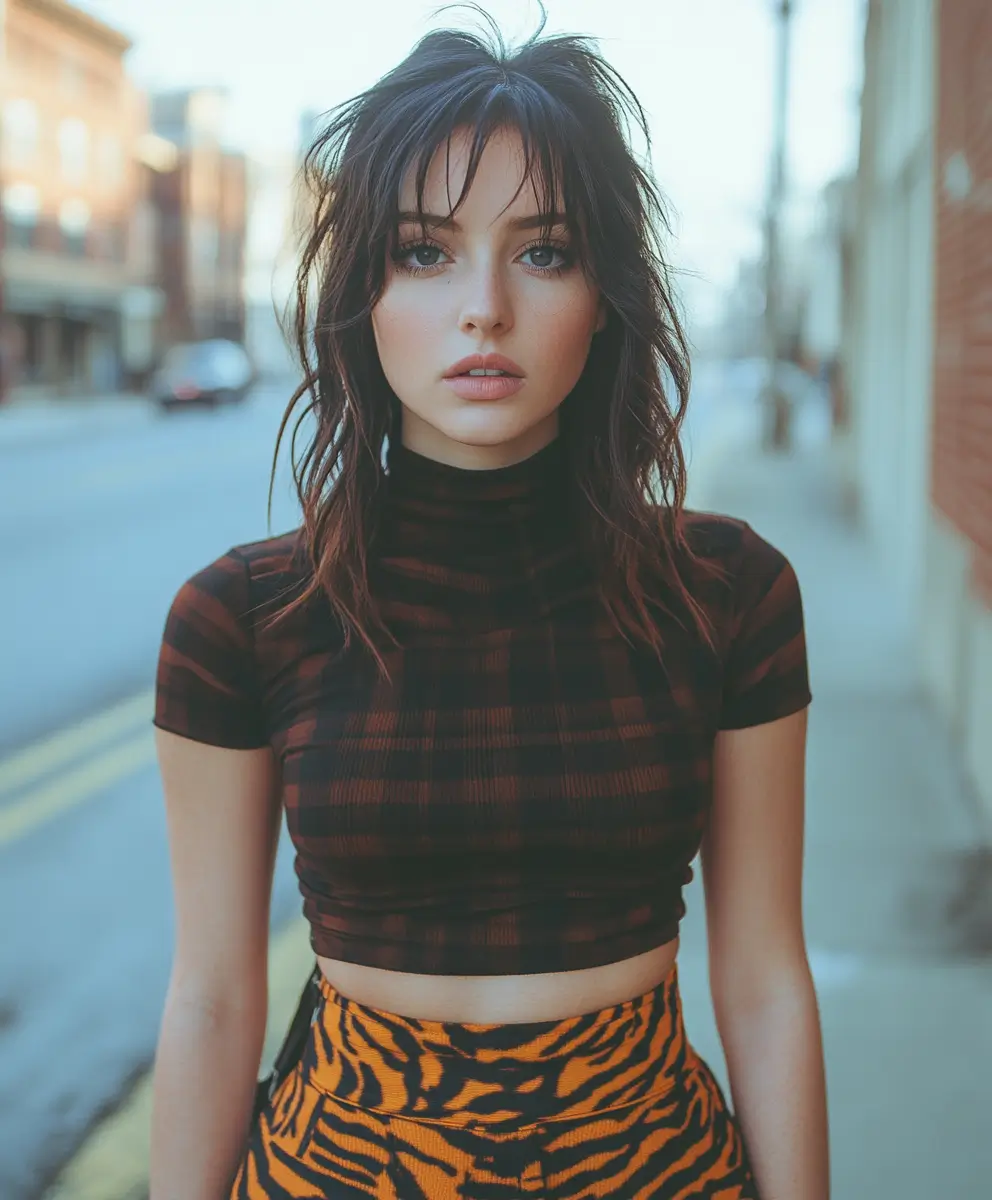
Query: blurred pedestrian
[(505, 687)]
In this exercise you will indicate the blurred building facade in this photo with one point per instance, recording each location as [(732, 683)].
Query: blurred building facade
[(280, 214), (123, 218), (742, 327), (828, 260), (202, 211), (824, 300), (918, 343), (742, 332), (68, 187), (270, 261)]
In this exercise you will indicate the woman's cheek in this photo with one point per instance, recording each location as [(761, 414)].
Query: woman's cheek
[(402, 324), (569, 328)]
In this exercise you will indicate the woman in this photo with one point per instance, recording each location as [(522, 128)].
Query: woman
[(505, 686)]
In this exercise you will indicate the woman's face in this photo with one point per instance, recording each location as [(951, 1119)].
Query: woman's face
[(483, 285)]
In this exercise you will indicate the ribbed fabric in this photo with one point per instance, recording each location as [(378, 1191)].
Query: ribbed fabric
[(614, 1103), (527, 790)]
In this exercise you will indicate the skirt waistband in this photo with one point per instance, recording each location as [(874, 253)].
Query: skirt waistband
[(498, 1075)]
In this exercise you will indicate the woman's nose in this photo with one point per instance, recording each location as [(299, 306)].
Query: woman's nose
[(487, 302)]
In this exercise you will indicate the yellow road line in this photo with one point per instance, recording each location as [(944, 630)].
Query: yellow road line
[(76, 785), (112, 1163), (44, 756)]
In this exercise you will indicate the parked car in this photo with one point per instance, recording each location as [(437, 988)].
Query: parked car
[(210, 372)]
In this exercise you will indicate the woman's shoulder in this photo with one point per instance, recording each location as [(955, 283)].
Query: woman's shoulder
[(208, 684), (730, 542), (225, 601), (765, 663), (243, 574), (737, 569), (280, 557)]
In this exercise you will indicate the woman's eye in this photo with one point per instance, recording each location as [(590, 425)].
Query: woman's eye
[(540, 252), (422, 254), (417, 256)]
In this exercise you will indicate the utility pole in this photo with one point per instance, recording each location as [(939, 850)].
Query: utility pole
[(776, 401)]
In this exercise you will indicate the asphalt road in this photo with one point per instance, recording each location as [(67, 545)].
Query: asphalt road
[(97, 531), (98, 528)]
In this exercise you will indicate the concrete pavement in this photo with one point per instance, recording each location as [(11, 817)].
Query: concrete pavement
[(897, 869)]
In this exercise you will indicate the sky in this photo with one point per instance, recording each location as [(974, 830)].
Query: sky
[(702, 69)]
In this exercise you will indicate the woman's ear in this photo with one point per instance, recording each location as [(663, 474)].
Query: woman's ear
[(602, 316)]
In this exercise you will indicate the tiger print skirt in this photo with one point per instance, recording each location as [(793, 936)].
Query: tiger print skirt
[(614, 1103)]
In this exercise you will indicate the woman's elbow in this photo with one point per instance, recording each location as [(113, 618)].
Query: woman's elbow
[(760, 984), (208, 997)]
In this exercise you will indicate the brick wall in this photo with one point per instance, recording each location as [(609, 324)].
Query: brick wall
[(962, 429)]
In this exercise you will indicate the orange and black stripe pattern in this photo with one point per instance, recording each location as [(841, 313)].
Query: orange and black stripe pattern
[(611, 1104)]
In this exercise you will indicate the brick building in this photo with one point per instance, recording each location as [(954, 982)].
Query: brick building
[(919, 344), (69, 188), (201, 205)]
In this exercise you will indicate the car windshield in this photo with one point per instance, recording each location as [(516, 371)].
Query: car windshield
[(189, 356), (180, 358)]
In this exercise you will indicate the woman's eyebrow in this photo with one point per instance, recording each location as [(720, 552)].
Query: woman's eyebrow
[(534, 221)]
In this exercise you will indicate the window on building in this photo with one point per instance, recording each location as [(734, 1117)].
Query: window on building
[(74, 223), (74, 144), (20, 133), (32, 352), (20, 214)]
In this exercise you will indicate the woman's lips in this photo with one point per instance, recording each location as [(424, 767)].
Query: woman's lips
[(484, 387)]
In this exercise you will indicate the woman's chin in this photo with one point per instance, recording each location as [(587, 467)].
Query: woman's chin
[(483, 426)]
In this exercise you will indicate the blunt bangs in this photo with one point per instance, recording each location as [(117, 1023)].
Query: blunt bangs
[(491, 108)]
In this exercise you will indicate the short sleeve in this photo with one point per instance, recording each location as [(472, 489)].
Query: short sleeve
[(766, 672), (206, 686)]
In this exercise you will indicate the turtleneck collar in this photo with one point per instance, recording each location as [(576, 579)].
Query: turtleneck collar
[(459, 548), (478, 517), (521, 491)]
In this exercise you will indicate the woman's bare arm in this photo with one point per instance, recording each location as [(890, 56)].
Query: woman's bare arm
[(762, 989), (223, 819)]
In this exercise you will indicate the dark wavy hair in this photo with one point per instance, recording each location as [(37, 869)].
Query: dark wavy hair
[(618, 425)]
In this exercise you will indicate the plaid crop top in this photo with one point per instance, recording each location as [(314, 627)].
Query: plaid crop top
[(527, 791)]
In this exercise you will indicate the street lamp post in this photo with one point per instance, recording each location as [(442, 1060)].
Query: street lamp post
[(777, 406)]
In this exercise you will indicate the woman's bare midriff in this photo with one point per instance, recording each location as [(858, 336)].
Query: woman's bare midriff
[(501, 999)]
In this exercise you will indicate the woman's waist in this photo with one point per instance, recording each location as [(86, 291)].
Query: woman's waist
[(500, 999), (506, 1075)]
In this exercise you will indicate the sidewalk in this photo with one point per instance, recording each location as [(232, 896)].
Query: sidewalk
[(23, 422), (898, 942)]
